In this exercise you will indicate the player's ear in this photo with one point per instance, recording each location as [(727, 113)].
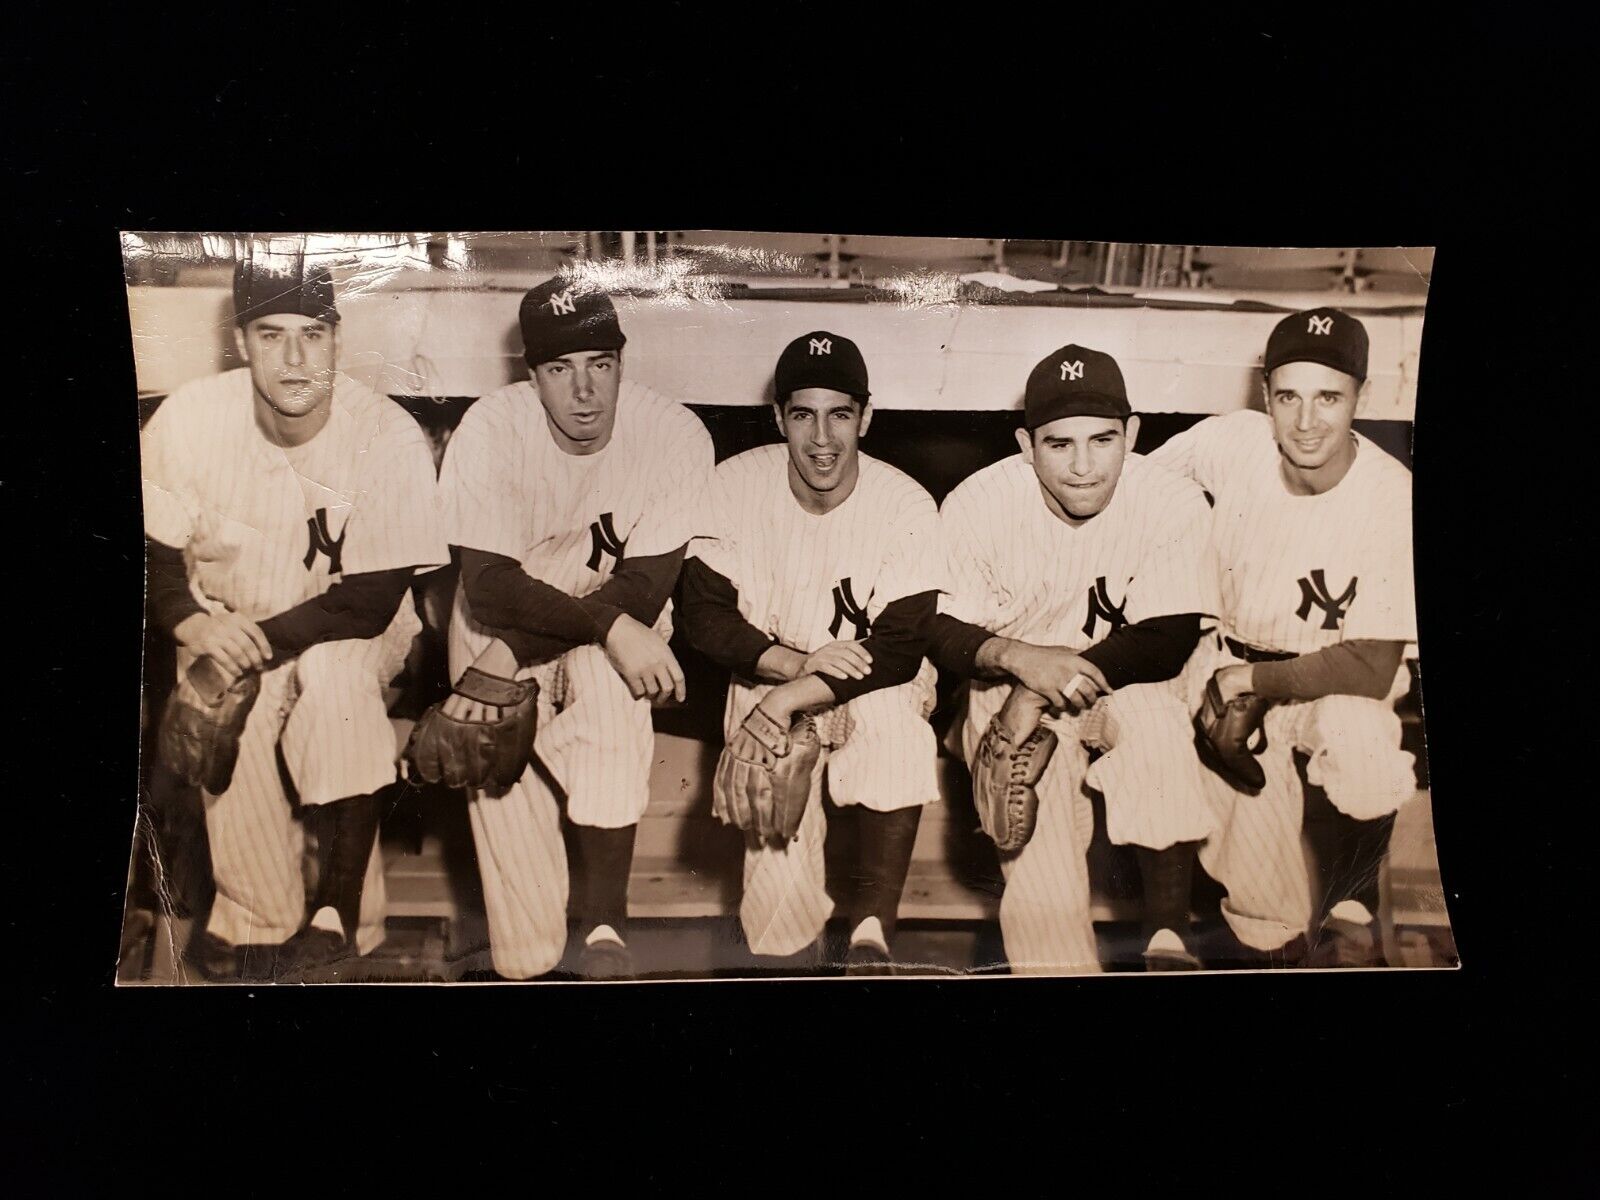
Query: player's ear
[(777, 417), (866, 418), (238, 344), (1131, 431), (1025, 444)]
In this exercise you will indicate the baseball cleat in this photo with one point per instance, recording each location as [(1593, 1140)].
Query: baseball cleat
[(605, 956), (868, 958), (1342, 943), (1166, 952), (215, 959)]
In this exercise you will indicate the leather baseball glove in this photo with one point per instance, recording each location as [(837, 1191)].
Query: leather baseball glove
[(1011, 758), (1223, 733), (477, 754), (765, 794), (202, 724)]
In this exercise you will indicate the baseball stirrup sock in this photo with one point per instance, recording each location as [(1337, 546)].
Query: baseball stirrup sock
[(887, 839), (1358, 850), (345, 831), (1168, 876), (607, 861)]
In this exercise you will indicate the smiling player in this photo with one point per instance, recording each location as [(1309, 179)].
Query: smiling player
[(1313, 527), (815, 592)]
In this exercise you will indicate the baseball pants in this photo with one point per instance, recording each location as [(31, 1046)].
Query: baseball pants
[(1353, 748), (1154, 797), (324, 712), (594, 742), (879, 752)]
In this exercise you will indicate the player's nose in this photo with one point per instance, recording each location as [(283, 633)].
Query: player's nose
[(1304, 417), (293, 352), (582, 384)]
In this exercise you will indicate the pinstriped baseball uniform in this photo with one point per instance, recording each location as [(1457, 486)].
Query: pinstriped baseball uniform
[(508, 489), (808, 580), (264, 528), (1300, 573), (1021, 572)]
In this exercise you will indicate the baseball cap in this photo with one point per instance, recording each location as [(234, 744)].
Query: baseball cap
[(1074, 381), (1320, 335), (820, 359), (558, 317), (260, 290)]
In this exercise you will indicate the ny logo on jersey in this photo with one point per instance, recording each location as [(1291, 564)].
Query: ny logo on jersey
[(562, 303), (1314, 591), (821, 346), (323, 541), (1320, 325), (1101, 609), (845, 609), (1071, 370), (604, 540)]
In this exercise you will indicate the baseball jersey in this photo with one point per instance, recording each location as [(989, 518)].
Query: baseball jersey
[(1302, 572), (808, 579), (1019, 571), (508, 489), (264, 527)]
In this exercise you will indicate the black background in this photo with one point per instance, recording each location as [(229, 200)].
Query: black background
[(1339, 131)]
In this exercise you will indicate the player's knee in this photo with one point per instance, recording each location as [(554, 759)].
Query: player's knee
[(1356, 756), (333, 666)]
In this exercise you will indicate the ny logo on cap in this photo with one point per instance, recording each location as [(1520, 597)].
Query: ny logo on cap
[(1072, 370), (821, 345), (1321, 325), (561, 303)]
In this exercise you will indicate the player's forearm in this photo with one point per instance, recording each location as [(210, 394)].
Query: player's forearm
[(639, 587), (358, 606), (898, 641), (1354, 668), (505, 597), (1147, 651), (805, 694), (167, 588), (963, 649), (712, 622)]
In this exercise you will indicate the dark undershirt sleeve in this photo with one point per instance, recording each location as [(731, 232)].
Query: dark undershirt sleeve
[(505, 597), (358, 606), (640, 588), (709, 604), (1147, 651), (953, 645), (170, 601), (1356, 668), (898, 640)]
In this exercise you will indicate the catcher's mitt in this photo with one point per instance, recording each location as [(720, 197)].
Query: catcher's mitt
[(477, 754), (1010, 760), (768, 800), (202, 724), (1222, 735)]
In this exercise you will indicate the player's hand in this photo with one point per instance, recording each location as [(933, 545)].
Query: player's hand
[(1021, 713), (842, 660), (498, 660), (235, 643), (1234, 681), (643, 660), (1069, 681)]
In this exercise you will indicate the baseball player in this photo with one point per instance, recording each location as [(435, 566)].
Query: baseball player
[(566, 496), (287, 508), (815, 592), (1079, 574), (1312, 526)]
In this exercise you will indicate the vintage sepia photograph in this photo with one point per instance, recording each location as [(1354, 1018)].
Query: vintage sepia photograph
[(642, 606)]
